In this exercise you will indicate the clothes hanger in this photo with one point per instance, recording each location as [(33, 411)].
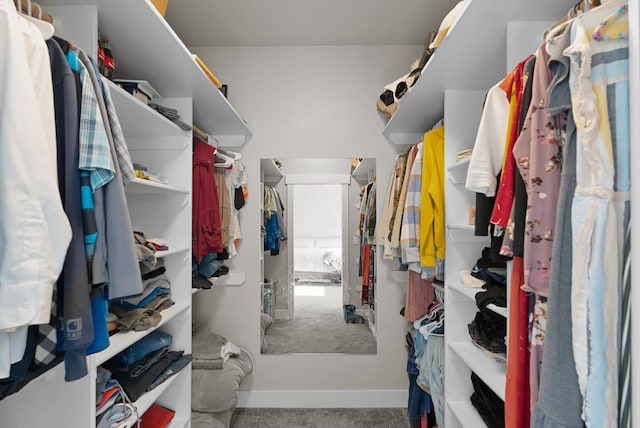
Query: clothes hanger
[(46, 28), (597, 33), (561, 25), (227, 161)]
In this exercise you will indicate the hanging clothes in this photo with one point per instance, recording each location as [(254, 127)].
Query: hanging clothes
[(600, 91), (432, 223), (206, 227), (560, 401), (273, 218), (32, 205), (367, 244)]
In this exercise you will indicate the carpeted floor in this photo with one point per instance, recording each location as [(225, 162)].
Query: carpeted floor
[(319, 327), (320, 418)]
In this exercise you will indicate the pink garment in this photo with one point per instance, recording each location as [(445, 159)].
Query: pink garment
[(420, 295), (537, 155)]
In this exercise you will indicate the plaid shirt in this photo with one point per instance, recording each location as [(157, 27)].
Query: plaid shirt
[(95, 154), (122, 152), (410, 230)]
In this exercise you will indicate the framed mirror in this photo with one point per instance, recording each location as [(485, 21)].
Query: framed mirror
[(318, 256)]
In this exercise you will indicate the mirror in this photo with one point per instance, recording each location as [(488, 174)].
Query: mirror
[(318, 263)]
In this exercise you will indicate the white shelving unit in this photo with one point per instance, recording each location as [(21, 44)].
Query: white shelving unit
[(465, 414), (490, 38), (159, 57), (160, 210)]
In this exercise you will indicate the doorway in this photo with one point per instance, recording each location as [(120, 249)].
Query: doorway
[(317, 249)]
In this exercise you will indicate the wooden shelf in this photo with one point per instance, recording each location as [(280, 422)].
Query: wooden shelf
[(119, 341), (138, 119), (466, 414), (470, 293), (147, 399), (492, 372), (362, 171), (478, 39), (272, 174), (140, 186), (457, 173), (172, 251), (150, 50), (464, 233), (231, 279)]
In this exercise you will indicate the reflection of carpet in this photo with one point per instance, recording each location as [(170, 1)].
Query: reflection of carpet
[(319, 327)]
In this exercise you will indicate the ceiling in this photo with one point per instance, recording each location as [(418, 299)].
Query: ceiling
[(305, 22)]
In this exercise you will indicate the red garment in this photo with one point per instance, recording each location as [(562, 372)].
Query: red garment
[(517, 411), (505, 191), (365, 263), (206, 230)]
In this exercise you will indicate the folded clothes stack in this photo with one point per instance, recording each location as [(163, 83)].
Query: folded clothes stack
[(143, 311), (171, 114), (146, 364), (490, 407)]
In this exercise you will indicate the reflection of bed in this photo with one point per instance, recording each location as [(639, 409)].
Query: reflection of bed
[(321, 257)]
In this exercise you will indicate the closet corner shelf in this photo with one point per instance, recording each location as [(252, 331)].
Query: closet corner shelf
[(423, 105), (120, 341), (148, 398), (457, 173), (470, 293), (140, 120), (231, 279), (463, 233), (361, 171), (272, 174), (466, 414), (140, 186), (492, 372), (171, 251)]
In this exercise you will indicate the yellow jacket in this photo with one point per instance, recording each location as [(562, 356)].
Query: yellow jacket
[(432, 225)]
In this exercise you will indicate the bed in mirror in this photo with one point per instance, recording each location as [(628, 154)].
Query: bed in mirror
[(318, 256)]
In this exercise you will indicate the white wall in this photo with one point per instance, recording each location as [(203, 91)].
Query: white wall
[(303, 102)]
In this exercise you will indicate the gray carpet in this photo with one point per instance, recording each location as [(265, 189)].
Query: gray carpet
[(320, 418), (319, 327)]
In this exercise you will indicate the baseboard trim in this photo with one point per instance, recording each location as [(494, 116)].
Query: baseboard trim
[(387, 398)]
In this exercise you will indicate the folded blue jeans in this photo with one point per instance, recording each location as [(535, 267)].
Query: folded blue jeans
[(208, 266), (152, 342)]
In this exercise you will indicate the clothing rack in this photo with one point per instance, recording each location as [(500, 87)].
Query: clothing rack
[(228, 157), (575, 10), (36, 12)]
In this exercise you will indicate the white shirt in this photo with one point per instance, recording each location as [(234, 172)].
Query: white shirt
[(34, 230), (488, 149)]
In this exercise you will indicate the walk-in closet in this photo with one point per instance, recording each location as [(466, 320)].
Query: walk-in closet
[(343, 213)]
